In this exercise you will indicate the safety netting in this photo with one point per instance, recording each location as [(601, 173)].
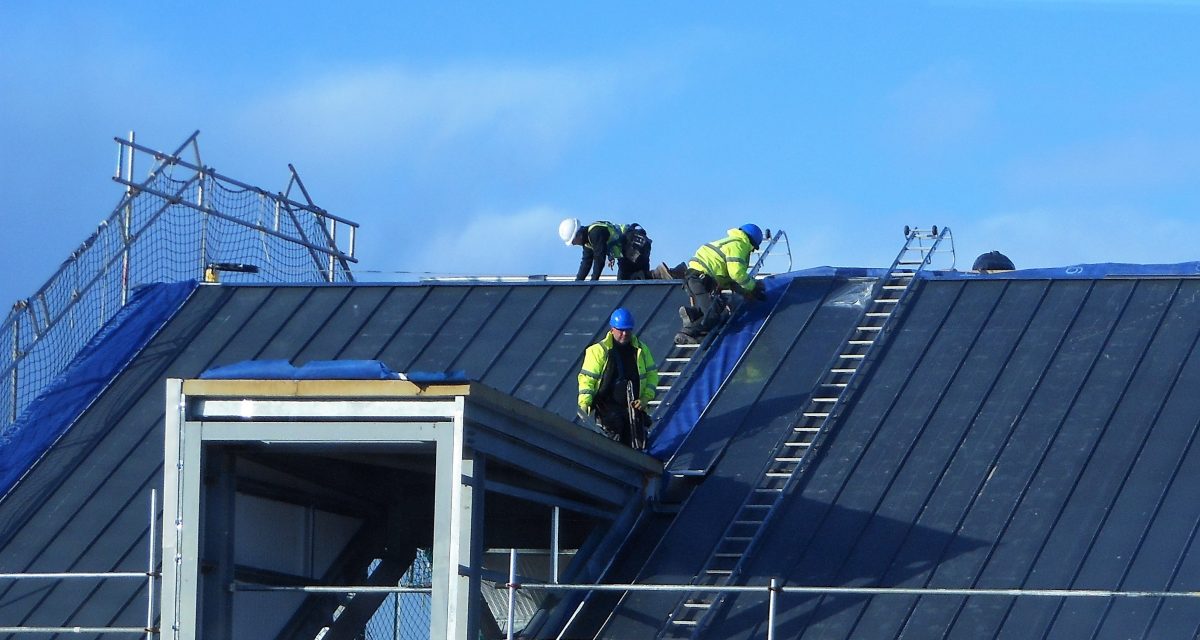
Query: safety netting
[(66, 397), (168, 228)]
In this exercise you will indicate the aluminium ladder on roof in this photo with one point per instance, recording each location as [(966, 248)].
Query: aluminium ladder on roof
[(673, 370), (727, 559)]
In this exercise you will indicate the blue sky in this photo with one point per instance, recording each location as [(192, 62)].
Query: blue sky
[(459, 134)]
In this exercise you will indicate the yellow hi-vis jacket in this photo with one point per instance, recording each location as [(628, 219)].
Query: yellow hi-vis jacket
[(596, 358), (726, 260), (616, 233)]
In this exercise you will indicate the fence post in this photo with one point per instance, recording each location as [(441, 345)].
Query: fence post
[(772, 590), (127, 222), (512, 588)]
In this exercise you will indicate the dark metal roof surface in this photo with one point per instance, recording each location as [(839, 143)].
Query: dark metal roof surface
[(85, 505), (1012, 434)]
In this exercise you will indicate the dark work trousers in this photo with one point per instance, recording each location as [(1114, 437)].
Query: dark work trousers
[(628, 270), (702, 289), (614, 419)]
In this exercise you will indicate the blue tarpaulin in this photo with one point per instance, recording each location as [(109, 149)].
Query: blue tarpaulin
[(718, 364), (325, 370), (96, 365)]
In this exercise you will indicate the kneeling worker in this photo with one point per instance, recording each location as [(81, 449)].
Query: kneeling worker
[(617, 382), (722, 264), (625, 246)]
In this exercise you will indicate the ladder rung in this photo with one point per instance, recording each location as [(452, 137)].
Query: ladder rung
[(677, 359), (887, 300), (816, 414), (768, 489), (869, 328), (663, 388), (853, 356), (715, 572), (697, 605), (669, 373), (799, 445), (895, 287), (862, 342), (843, 385), (833, 399), (779, 474), (842, 370), (685, 623), (806, 429), (878, 314), (786, 459)]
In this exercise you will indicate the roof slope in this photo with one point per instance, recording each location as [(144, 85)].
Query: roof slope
[(1011, 434), (84, 505)]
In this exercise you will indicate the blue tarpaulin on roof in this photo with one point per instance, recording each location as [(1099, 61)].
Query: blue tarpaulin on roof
[(324, 370), (1079, 271), (57, 407), (719, 363)]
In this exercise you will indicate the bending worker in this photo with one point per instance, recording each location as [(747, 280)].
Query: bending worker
[(626, 246), (723, 264), (617, 382)]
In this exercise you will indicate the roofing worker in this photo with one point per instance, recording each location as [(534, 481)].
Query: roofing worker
[(617, 382), (626, 246), (722, 264)]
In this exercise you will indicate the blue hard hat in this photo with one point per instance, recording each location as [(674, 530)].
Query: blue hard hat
[(621, 319), (754, 232)]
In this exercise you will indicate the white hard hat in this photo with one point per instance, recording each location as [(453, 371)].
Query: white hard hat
[(567, 229)]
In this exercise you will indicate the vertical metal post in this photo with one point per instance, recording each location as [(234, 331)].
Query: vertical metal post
[(150, 568), (203, 221), (554, 546), (333, 248), (772, 590), (127, 222), (512, 588), (16, 353)]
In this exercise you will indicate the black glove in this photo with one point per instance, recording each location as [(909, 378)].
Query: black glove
[(757, 293)]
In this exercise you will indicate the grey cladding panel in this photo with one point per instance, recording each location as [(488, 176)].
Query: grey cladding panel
[(311, 318), (460, 329), (276, 306), (388, 319), (501, 326), (421, 328), (529, 344), (346, 324)]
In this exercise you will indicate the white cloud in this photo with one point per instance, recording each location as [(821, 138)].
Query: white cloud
[(524, 242), (407, 113)]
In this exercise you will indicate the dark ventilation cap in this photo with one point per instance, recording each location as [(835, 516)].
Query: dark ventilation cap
[(992, 261)]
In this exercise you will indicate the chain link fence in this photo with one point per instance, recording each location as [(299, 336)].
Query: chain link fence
[(405, 616)]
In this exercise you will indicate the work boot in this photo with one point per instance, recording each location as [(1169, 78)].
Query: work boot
[(686, 338), (689, 315), (662, 272)]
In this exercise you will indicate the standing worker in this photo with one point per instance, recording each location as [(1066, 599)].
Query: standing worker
[(617, 382), (723, 264), (626, 246)]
